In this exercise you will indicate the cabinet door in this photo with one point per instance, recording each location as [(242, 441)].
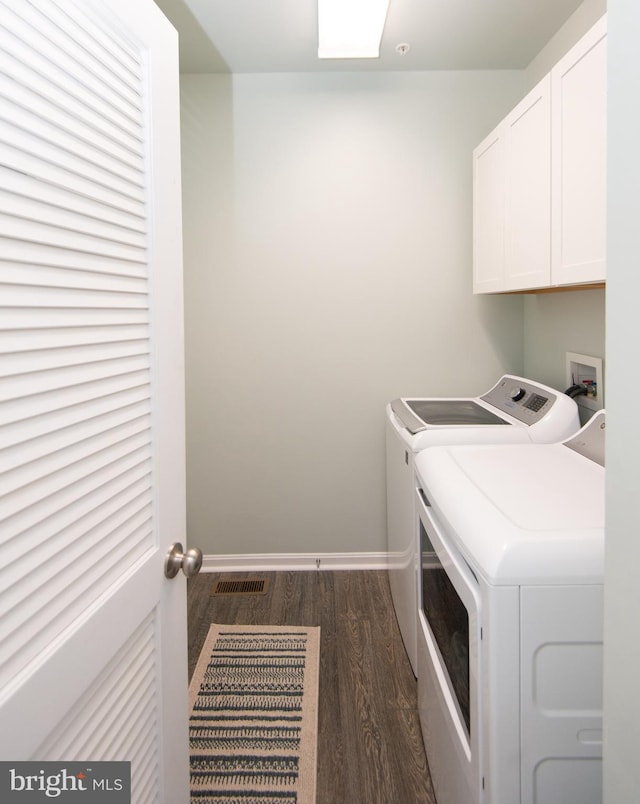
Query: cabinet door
[(488, 213), (528, 191), (579, 108)]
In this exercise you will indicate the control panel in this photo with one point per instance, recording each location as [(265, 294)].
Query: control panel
[(521, 399)]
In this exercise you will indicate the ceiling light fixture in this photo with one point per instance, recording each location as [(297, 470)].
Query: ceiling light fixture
[(350, 29)]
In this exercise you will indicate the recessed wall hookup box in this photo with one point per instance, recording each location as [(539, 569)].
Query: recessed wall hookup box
[(587, 371)]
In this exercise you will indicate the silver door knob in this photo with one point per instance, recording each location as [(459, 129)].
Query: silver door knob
[(189, 562)]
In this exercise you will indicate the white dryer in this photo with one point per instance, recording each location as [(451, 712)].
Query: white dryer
[(511, 621), (515, 410)]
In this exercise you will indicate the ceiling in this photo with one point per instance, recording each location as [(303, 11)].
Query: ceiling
[(257, 36)]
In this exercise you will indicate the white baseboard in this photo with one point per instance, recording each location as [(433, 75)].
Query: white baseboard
[(295, 561)]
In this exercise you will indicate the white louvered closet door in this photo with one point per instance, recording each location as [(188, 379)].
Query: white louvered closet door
[(92, 636)]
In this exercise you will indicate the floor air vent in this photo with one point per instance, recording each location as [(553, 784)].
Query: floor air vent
[(244, 586)]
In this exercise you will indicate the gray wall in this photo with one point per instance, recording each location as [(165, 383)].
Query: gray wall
[(327, 223), (622, 589), (557, 323)]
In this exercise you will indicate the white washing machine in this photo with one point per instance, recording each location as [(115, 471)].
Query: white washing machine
[(511, 619), (515, 410)]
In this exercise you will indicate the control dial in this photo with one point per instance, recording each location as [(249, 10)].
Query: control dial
[(517, 393)]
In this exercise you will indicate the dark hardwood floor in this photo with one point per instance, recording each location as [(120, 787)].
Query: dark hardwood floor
[(370, 748)]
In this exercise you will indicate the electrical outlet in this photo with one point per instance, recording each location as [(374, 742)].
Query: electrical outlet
[(587, 371)]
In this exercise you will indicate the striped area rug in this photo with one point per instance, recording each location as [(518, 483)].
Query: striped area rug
[(254, 713)]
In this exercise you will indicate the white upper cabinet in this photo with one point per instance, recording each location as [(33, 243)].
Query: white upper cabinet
[(512, 199), (488, 213), (528, 191), (539, 181), (579, 185)]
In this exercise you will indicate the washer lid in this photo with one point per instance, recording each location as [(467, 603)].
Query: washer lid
[(423, 413), (520, 513)]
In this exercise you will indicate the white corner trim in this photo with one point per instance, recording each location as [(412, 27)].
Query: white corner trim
[(295, 561)]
